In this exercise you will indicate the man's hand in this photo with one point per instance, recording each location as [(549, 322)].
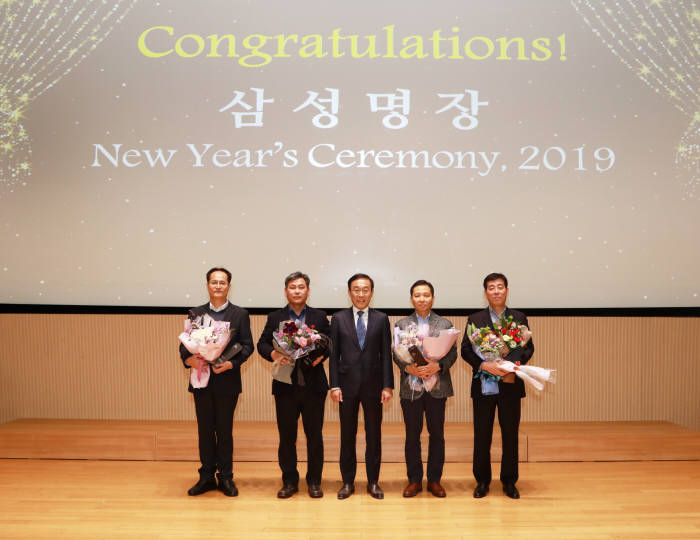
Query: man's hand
[(428, 370), (194, 361), (412, 369), (317, 361), (283, 359), (386, 394), (509, 377), (337, 395), (222, 367), (493, 368), (505, 351)]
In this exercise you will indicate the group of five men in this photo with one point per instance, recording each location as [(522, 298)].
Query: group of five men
[(361, 373)]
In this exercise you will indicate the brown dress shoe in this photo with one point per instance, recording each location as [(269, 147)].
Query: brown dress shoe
[(413, 489), (436, 489)]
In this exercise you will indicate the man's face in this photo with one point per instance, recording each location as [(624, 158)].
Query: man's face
[(360, 293), (422, 298), (218, 287), (297, 292), (496, 293)]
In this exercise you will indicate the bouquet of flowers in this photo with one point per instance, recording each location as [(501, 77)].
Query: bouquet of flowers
[(408, 348), (514, 335), (488, 341), (207, 338), (435, 347), (492, 341), (298, 344)]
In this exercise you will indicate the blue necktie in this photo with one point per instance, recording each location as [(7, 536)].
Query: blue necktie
[(361, 329)]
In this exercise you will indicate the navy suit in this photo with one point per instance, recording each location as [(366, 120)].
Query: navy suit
[(361, 373), (291, 400), (507, 401)]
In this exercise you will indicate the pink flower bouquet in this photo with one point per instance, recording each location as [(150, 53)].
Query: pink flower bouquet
[(207, 338)]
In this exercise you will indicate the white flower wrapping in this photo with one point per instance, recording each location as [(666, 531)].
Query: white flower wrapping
[(532, 376)]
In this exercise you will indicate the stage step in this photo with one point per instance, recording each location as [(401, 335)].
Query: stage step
[(257, 441)]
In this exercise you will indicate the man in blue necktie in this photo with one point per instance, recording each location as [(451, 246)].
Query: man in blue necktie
[(361, 372)]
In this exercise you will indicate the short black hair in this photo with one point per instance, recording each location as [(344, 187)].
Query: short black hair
[(296, 275), (423, 282), (360, 276), (219, 269), (494, 276)]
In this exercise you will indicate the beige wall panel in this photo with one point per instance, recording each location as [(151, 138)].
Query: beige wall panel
[(127, 367)]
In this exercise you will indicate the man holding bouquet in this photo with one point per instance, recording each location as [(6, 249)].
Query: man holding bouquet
[(495, 388), (216, 402), (428, 397), (361, 373), (306, 395)]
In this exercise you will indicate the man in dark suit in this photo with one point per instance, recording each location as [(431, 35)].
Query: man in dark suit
[(361, 373), (216, 402), (306, 395), (504, 396)]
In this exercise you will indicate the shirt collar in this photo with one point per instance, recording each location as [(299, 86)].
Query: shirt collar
[(494, 315), (421, 320), (365, 312), (212, 308), (294, 316)]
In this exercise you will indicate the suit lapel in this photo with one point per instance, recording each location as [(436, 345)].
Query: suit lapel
[(351, 329), (433, 320)]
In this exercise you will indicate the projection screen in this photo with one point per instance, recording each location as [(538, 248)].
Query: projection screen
[(143, 142)]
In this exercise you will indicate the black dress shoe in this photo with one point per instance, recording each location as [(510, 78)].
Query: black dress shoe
[(481, 490), (511, 491), (315, 491), (287, 491), (204, 485), (375, 491), (228, 487), (346, 491)]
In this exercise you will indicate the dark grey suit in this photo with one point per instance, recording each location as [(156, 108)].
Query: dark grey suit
[(431, 404)]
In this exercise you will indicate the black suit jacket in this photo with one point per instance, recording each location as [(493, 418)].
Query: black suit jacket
[(355, 370), (229, 381), (315, 378), (522, 354)]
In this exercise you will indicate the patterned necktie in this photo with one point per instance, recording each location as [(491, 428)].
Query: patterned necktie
[(361, 329)]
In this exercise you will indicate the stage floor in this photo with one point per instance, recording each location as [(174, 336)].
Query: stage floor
[(257, 441), (85, 499)]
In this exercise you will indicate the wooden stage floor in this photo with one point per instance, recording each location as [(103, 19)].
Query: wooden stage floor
[(257, 441), (126, 500), (92, 479)]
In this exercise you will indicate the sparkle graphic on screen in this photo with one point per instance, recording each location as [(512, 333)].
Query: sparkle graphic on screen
[(659, 40), (42, 41)]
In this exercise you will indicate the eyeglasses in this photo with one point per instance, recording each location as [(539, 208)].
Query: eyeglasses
[(357, 290)]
